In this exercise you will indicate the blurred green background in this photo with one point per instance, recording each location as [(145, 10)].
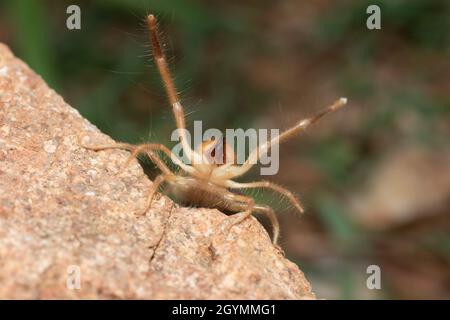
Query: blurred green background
[(375, 177)]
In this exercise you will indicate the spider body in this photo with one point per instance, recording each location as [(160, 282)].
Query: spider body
[(209, 178), (200, 193)]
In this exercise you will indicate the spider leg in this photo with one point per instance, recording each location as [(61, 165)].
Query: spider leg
[(159, 180), (248, 207), (150, 147), (117, 145), (301, 126), (136, 150), (269, 185), (244, 207), (247, 204), (268, 212), (172, 94), (159, 163)]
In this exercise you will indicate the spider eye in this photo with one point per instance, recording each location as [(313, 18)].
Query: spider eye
[(217, 152)]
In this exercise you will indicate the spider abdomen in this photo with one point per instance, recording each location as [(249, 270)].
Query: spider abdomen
[(193, 192)]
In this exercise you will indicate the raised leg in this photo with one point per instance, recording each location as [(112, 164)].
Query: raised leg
[(269, 185), (301, 126), (172, 94)]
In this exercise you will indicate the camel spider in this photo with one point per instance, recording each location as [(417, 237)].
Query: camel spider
[(206, 183)]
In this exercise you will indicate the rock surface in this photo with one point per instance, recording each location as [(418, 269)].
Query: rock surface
[(67, 222)]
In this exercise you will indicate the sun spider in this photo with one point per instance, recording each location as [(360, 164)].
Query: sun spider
[(205, 182)]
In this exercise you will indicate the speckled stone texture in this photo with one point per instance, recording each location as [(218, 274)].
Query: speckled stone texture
[(65, 209)]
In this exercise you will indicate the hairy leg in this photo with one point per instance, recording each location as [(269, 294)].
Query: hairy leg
[(172, 94), (248, 204), (117, 145), (269, 185), (269, 213), (242, 205), (149, 147), (159, 180), (159, 163), (301, 126)]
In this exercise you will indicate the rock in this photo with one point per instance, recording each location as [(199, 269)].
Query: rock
[(67, 222)]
